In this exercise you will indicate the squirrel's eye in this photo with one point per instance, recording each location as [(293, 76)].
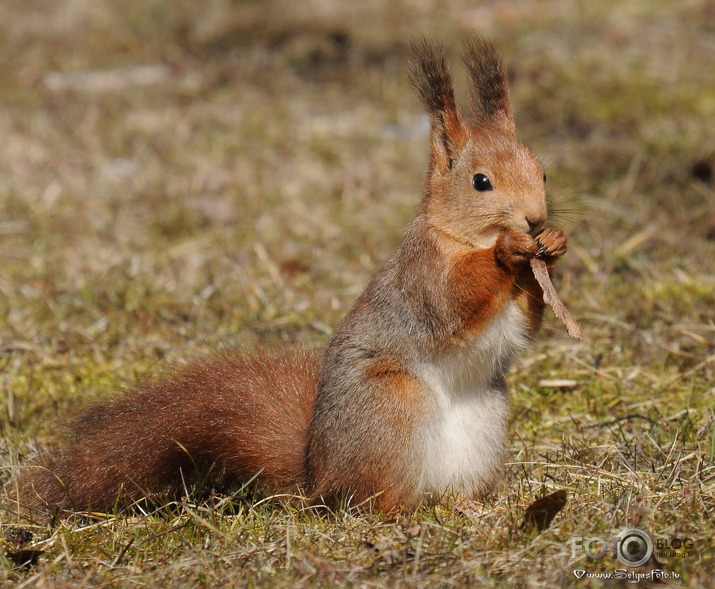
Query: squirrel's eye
[(481, 183), (544, 178)]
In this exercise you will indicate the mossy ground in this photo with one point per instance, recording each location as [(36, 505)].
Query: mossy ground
[(244, 187)]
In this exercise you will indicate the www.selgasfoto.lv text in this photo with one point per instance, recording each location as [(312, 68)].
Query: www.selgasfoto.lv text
[(625, 574)]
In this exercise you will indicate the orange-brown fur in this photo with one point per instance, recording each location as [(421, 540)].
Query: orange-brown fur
[(243, 415), (461, 261), (365, 420)]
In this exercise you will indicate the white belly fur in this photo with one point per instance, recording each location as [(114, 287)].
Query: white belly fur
[(465, 432)]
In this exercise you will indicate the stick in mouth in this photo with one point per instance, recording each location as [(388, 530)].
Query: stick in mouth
[(551, 298)]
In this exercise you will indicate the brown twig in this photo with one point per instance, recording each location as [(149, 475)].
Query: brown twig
[(551, 298)]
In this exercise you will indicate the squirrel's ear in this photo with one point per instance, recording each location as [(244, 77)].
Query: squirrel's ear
[(489, 87), (432, 79)]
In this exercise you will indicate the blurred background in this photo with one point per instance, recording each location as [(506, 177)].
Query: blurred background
[(179, 174)]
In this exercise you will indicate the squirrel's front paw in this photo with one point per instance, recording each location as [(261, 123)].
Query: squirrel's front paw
[(552, 244), (514, 248)]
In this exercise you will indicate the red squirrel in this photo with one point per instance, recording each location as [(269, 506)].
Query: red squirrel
[(408, 401)]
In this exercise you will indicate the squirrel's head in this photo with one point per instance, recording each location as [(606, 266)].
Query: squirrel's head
[(481, 180)]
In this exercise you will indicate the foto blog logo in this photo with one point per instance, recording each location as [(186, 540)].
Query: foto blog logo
[(632, 547)]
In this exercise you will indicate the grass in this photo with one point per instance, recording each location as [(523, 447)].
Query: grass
[(243, 191)]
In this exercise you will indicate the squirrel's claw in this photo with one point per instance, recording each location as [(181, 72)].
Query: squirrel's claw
[(551, 243)]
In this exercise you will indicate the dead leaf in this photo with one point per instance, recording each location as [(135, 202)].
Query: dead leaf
[(14, 541), (25, 558), (541, 512)]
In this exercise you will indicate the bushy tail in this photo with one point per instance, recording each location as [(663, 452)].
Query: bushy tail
[(242, 415)]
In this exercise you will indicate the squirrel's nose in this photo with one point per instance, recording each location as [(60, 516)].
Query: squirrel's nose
[(535, 223)]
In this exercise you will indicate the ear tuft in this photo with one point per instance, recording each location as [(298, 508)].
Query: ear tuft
[(432, 78), (489, 86)]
